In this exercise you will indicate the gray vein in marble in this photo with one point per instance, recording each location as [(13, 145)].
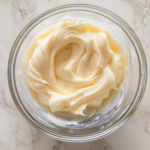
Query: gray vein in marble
[(57, 146), (8, 108), (25, 135), (5, 103), (141, 22), (18, 142), (100, 145), (142, 118), (36, 138), (3, 146), (22, 12), (145, 1), (95, 145)]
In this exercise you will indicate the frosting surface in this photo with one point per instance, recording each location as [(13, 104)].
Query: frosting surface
[(74, 68)]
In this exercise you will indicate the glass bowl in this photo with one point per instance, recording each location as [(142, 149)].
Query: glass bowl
[(98, 126)]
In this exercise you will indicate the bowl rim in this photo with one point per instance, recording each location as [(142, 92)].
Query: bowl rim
[(122, 120)]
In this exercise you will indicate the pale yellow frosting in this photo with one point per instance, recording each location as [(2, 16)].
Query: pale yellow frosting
[(73, 68)]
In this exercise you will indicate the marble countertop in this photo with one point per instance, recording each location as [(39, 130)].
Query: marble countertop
[(15, 132)]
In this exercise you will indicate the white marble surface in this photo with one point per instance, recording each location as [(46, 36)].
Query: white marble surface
[(15, 132)]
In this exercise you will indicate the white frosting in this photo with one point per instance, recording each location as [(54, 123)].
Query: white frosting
[(74, 68)]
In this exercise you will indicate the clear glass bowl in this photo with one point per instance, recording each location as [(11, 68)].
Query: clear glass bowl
[(96, 127)]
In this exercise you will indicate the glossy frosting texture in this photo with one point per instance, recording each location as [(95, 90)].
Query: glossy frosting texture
[(74, 68)]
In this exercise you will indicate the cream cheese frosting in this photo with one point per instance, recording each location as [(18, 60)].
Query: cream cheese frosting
[(74, 68)]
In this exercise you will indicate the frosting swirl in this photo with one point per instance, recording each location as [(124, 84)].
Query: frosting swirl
[(73, 68)]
